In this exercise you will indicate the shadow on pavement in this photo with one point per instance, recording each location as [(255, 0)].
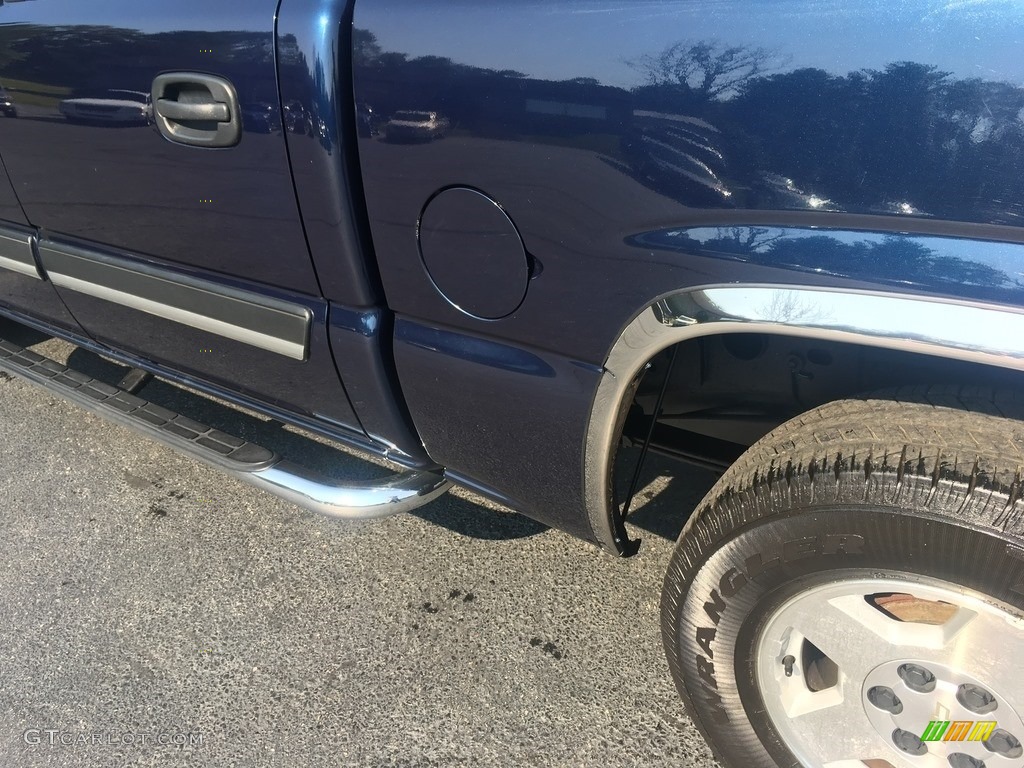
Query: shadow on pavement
[(668, 490), (458, 514)]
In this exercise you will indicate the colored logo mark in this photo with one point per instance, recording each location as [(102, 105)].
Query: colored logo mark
[(958, 730)]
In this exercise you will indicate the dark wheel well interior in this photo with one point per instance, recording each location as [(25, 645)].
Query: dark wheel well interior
[(727, 391)]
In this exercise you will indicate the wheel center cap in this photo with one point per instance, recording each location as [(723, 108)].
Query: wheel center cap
[(931, 714)]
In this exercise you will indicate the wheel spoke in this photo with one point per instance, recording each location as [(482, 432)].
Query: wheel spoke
[(847, 680), (980, 648), (850, 632), (836, 733)]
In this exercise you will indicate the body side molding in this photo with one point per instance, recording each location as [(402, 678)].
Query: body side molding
[(244, 316), (968, 331), (16, 252)]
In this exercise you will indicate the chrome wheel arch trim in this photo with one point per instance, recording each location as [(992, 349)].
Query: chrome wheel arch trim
[(968, 331)]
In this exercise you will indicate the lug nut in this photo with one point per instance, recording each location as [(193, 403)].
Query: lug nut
[(976, 698), (1005, 744), (908, 742), (960, 760), (917, 678), (885, 698)]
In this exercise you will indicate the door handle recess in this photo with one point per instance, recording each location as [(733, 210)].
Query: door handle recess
[(196, 109)]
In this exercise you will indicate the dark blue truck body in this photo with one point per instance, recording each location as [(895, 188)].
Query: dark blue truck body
[(638, 150)]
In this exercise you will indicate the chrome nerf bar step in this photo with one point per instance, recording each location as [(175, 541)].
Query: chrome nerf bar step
[(246, 461)]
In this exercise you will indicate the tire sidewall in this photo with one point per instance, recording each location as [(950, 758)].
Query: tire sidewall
[(716, 606)]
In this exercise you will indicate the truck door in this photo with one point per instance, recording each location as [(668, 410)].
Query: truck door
[(165, 233), (23, 292)]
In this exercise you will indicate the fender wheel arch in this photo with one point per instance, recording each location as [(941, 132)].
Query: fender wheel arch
[(892, 321)]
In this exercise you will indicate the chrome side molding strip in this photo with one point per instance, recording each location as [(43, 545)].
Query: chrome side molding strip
[(274, 325), (16, 253), (970, 331), (245, 461)]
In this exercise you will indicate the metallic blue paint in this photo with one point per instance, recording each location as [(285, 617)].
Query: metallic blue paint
[(120, 183), (506, 419), (313, 37), (767, 126), (226, 215), (640, 148), (971, 269), (10, 208), (603, 128), (361, 341), (461, 233), (230, 394), (308, 388), (475, 350)]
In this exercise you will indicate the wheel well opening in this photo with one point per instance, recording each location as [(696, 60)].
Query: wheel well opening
[(725, 392)]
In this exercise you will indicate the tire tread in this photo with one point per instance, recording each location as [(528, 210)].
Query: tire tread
[(927, 449)]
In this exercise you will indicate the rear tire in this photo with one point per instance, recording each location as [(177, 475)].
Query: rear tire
[(861, 540)]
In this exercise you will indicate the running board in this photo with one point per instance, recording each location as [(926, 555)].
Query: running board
[(243, 460)]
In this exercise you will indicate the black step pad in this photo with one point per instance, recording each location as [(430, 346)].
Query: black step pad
[(100, 396)]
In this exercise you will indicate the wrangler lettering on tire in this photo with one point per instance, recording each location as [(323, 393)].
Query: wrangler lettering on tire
[(856, 574)]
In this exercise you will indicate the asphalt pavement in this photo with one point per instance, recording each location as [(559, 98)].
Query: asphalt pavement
[(156, 613)]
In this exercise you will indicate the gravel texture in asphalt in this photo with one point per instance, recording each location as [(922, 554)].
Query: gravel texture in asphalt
[(148, 599)]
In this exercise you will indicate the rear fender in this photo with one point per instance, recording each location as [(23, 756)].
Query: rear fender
[(968, 331)]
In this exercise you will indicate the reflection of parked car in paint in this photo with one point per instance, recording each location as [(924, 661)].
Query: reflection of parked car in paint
[(113, 107), (409, 125), (6, 105), (295, 118)]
